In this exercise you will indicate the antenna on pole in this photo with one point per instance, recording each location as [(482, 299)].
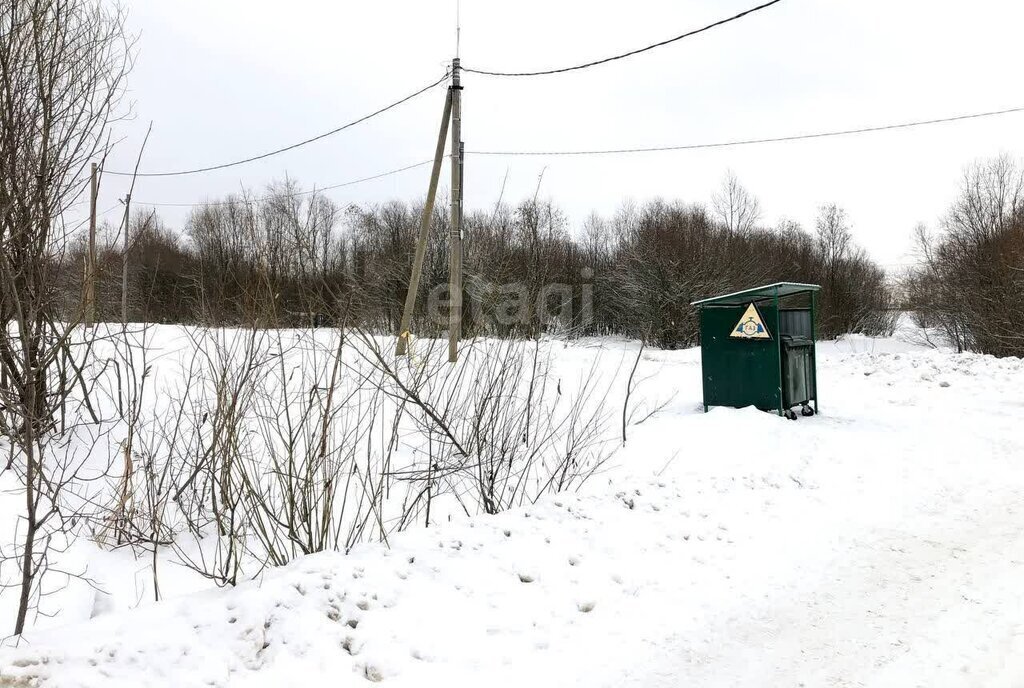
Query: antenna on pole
[(458, 25)]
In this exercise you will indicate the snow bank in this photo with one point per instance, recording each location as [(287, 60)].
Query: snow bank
[(878, 544)]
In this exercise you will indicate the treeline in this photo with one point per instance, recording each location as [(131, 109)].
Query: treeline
[(970, 287), (285, 259)]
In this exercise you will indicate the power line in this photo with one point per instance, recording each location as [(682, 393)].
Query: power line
[(296, 194), (614, 151), (775, 139), (631, 52), (289, 147)]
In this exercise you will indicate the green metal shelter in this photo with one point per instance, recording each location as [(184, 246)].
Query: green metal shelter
[(757, 352)]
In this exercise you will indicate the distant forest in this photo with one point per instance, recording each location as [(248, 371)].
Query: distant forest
[(281, 259)]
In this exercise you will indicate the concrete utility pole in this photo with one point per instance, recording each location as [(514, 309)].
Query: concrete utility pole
[(452, 115), (124, 259), (90, 259), (421, 245), (455, 256)]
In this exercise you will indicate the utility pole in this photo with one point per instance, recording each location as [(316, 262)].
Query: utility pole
[(453, 116), (124, 259), (462, 185), (421, 246), (455, 243), (90, 259)]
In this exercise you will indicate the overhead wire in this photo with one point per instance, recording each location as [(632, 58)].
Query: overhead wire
[(615, 151), (609, 151), (753, 141), (296, 194), (594, 63), (284, 149)]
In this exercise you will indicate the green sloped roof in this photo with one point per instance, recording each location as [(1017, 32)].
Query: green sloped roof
[(768, 291)]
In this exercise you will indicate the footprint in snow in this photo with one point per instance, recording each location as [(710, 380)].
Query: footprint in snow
[(373, 674), (349, 645)]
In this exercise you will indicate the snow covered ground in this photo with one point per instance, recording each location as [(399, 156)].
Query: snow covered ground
[(878, 544)]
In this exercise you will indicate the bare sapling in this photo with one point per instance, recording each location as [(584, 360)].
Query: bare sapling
[(62, 75)]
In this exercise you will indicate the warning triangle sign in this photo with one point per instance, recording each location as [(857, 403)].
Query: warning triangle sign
[(750, 326)]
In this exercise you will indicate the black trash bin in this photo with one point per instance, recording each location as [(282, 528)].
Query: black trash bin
[(798, 381)]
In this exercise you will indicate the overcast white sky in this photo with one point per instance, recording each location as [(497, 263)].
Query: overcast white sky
[(223, 79)]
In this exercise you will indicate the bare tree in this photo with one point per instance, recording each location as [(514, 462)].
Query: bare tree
[(855, 296), (971, 284), (834, 236), (736, 208), (63, 65)]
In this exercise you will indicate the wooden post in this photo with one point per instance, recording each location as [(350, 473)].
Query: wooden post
[(90, 259), (455, 248), (421, 245), (124, 259)]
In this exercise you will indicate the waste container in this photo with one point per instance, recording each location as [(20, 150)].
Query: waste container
[(797, 366), (754, 352)]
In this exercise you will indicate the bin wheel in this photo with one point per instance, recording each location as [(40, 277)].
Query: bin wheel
[(807, 410), (791, 414)]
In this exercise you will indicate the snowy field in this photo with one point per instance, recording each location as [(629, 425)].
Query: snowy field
[(880, 543)]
